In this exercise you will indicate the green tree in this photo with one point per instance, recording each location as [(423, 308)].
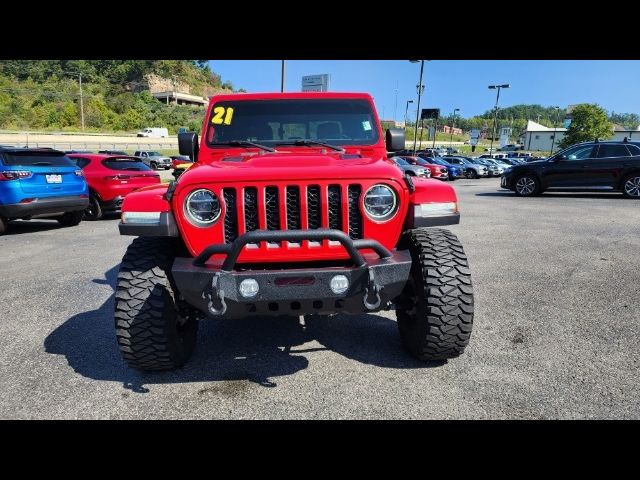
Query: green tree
[(588, 122)]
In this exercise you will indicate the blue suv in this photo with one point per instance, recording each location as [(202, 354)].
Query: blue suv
[(40, 183), (455, 171)]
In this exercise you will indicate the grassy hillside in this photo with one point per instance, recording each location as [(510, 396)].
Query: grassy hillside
[(45, 95)]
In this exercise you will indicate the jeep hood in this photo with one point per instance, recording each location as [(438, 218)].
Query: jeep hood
[(273, 167)]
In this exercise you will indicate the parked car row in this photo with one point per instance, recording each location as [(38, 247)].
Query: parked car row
[(50, 184)]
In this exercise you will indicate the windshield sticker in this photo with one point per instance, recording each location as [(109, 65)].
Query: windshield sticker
[(222, 115), (366, 125)]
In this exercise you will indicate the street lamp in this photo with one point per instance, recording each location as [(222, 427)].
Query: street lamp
[(555, 130), (495, 115), (420, 88), (453, 123), (406, 110)]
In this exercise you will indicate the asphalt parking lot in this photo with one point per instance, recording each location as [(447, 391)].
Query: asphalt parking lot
[(557, 289)]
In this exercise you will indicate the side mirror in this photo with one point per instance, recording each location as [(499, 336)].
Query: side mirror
[(560, 158), (188, 145), (395, 139)]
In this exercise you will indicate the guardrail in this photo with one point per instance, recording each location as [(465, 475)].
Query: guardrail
[(99, 146)]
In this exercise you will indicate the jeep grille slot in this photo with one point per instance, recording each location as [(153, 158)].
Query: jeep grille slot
[(251, 209), (272, 207), (231, 215), (355, 216), (293, 208), (314, 207), (335, 207)]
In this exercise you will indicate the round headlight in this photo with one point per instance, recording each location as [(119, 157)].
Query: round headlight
[(380, 203), (202, 207)]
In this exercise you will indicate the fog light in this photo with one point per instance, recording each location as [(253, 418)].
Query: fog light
[(339, 284), (249, 288)]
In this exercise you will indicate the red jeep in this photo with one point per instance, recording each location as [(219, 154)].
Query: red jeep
[(291, 208)]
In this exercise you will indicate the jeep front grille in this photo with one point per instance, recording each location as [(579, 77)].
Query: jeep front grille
[(293, 207), (231, 215), (355, 217)]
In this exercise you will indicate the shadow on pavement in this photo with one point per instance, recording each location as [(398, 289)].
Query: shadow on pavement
[(18, 227), (255, 349), (563, 195)]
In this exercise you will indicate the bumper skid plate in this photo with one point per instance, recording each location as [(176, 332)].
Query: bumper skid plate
[(373, 280)]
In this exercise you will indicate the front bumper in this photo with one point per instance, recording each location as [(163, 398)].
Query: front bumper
[(45, 206), (505, 182), (113, 205), (213, 288)]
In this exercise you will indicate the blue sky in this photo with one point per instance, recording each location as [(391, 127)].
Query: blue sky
[(453, 84)]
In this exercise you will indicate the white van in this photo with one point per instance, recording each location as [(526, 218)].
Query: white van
[(153, 132)]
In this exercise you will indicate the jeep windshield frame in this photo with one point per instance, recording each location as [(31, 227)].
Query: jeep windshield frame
[(271, 122)]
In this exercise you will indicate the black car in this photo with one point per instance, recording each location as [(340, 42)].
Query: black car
[(609, 166), (113, 152)]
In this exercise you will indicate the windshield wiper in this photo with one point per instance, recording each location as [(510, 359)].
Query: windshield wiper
[(309, 143), (42, 163), (245, 143)]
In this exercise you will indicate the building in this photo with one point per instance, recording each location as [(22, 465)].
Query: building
[(179, 98), (619, 134), (537, 137)]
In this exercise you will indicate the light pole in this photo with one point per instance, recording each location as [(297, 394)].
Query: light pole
[(420, 88), (495, 115), (282, 76), (453, 123), (406, 110), (555, 130)]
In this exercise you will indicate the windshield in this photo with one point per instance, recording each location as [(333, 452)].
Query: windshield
[(271, 122), (37, 159), (154, 154), (401, 161)]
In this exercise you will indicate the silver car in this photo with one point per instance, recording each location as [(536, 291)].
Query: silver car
[(471, 169), (414, 170)]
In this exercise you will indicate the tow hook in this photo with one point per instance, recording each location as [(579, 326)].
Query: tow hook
[(215, 297), (372, 289)]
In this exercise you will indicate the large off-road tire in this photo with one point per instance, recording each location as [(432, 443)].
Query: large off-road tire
[(70, 219), (155, 331), (435, 309), (527, 185), (94, 210), (4, 225)]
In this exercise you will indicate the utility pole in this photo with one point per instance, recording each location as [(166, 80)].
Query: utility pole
[(453, 123), (555, 129), (420, 88), (495, 116), (282, 76), (81, 102), (395, 105)]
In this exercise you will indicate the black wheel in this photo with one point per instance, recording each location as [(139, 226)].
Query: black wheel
[(435, 309), (527, 186), (631, 186), (4, 225), (154, 166), (94, 210), (470, 174), (70, 219), (155, 331)]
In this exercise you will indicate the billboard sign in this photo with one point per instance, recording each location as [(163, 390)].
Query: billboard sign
[(505, 133), (474, 137), (315, 83), (429, 113)]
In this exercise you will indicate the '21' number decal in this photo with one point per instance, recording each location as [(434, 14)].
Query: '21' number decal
[(222, 115)]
